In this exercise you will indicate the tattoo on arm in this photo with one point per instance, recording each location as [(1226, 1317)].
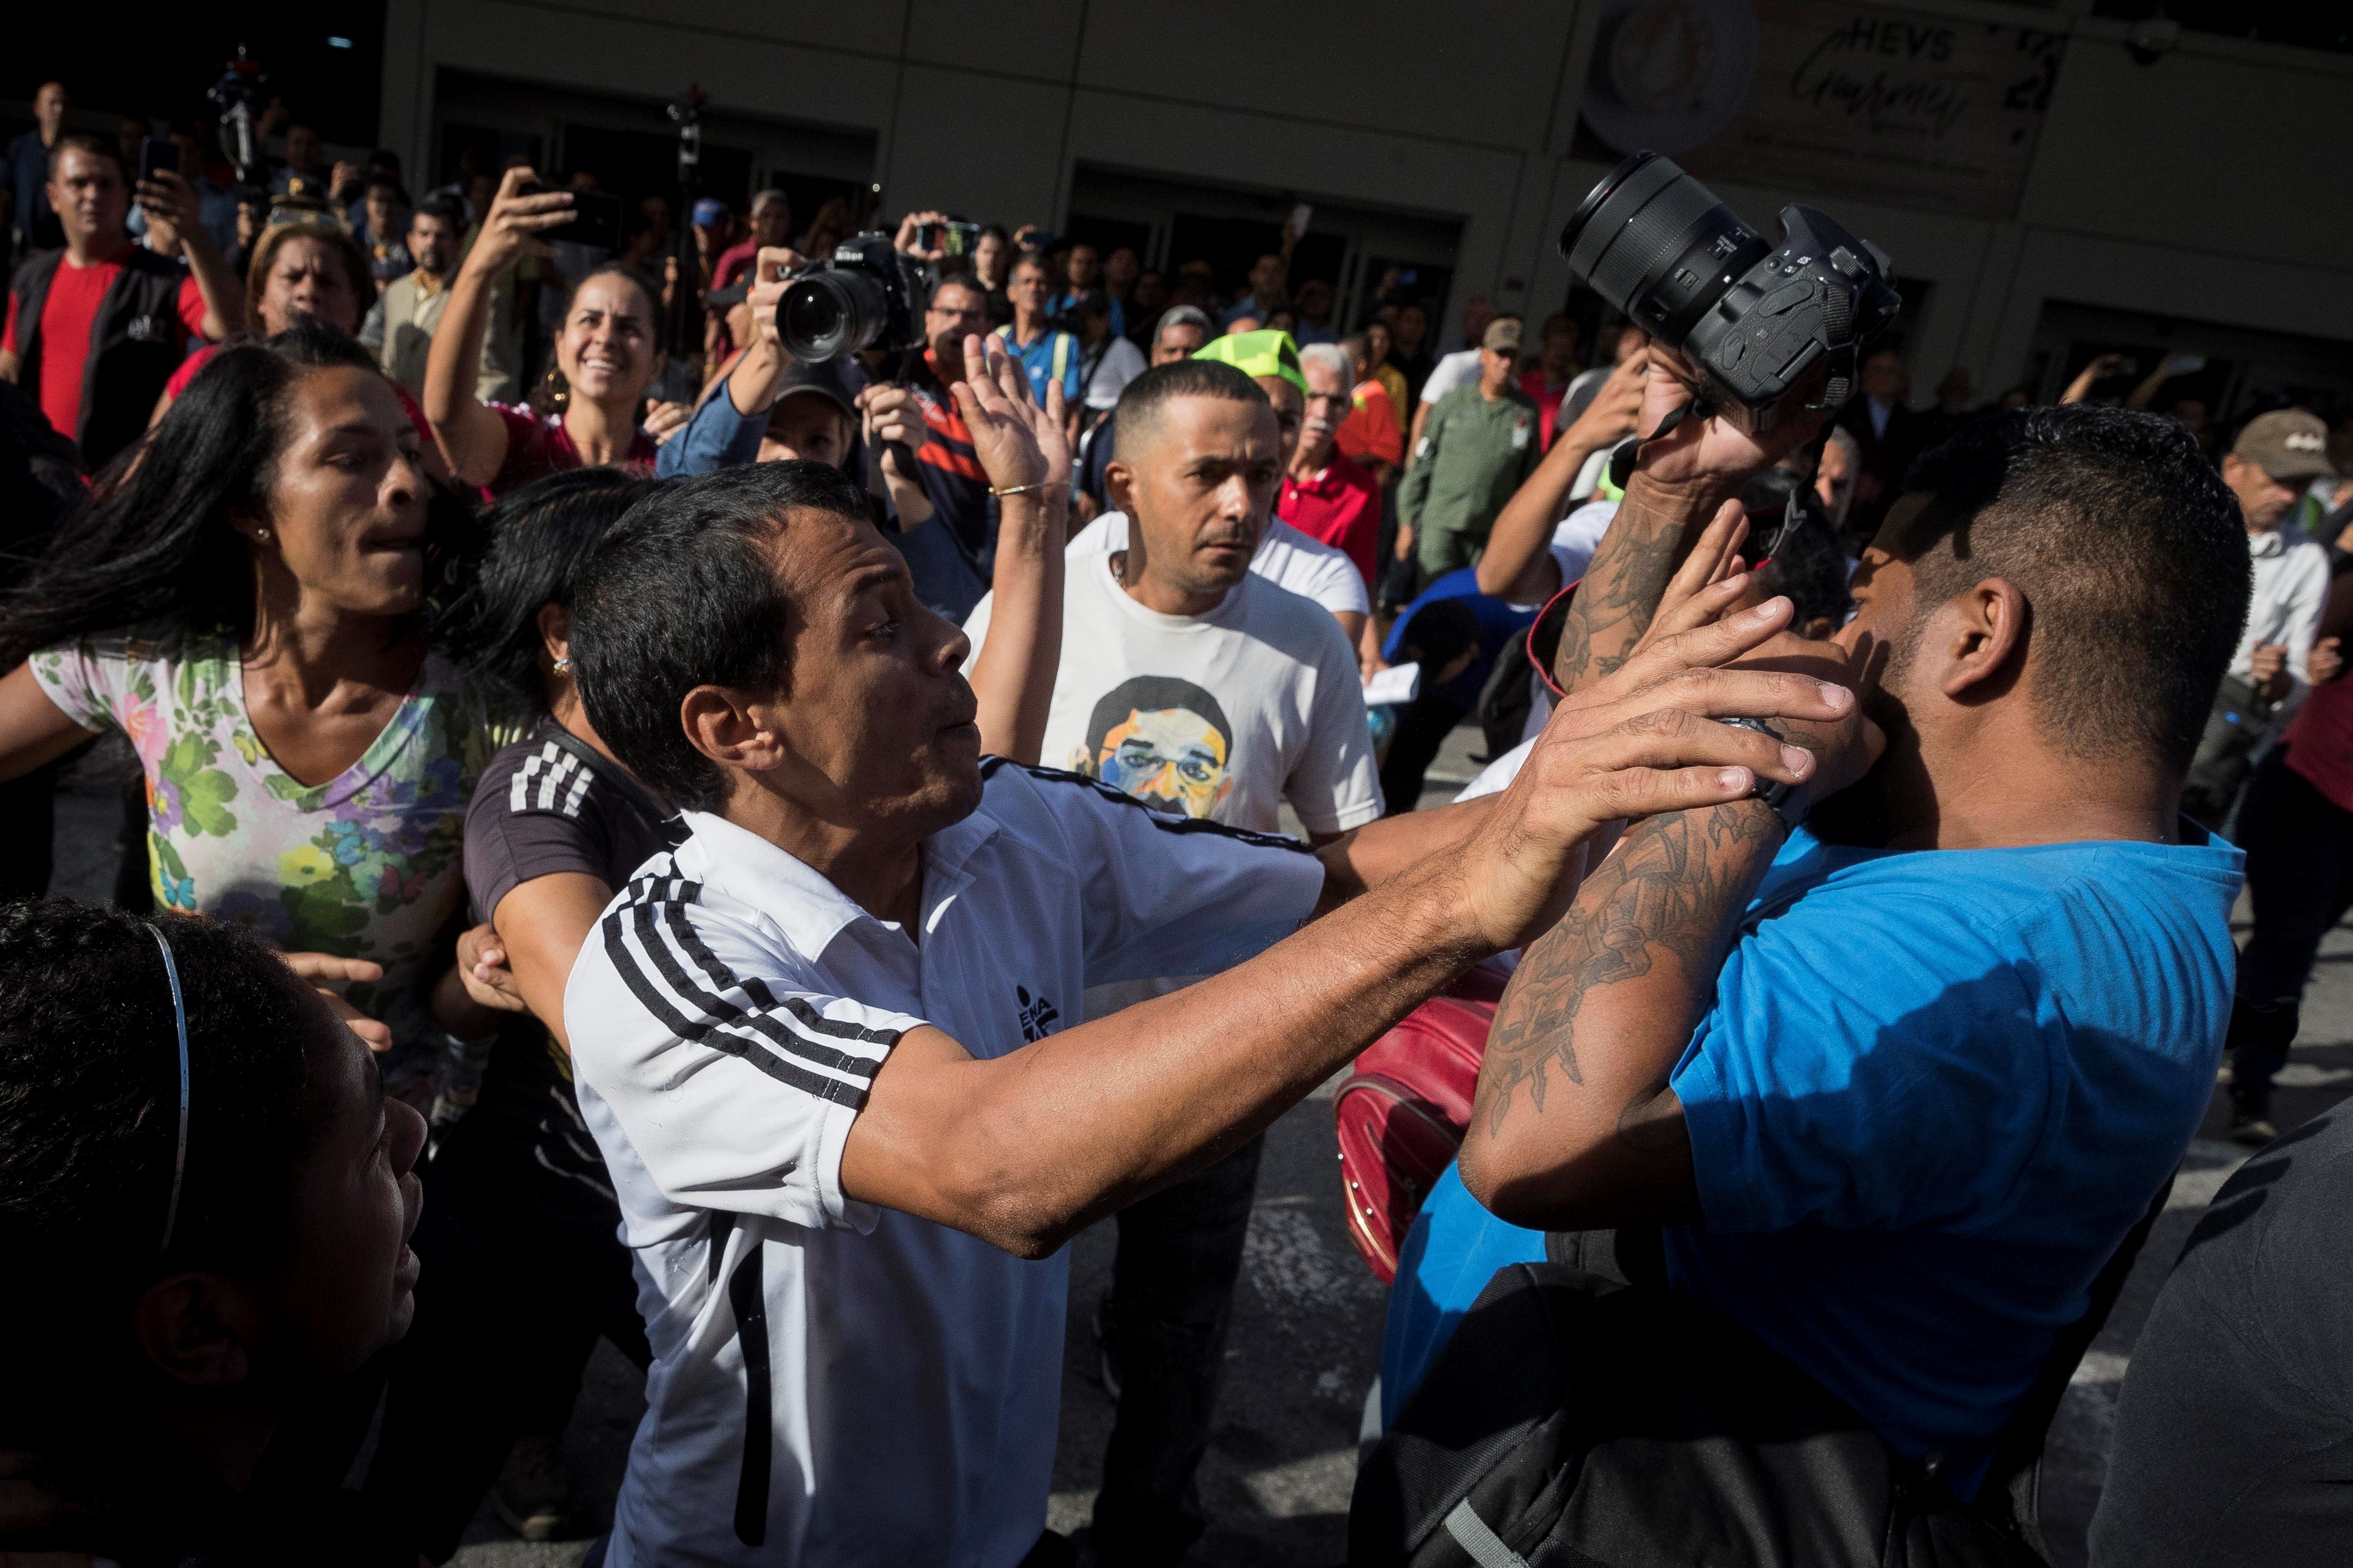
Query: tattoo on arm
[(1676, 889), (1622, 586)]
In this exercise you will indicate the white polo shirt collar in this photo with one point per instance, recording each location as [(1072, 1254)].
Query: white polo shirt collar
[(805, 904)]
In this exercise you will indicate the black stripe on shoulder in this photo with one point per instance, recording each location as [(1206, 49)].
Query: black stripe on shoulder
[(1166, 821), (765, 1004), (649, 996), (653, 921)]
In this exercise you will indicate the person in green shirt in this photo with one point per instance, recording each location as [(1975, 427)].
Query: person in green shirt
[(1478, 446)]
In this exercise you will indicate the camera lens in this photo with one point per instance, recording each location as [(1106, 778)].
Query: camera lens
[(1658, 245), (828, 314)]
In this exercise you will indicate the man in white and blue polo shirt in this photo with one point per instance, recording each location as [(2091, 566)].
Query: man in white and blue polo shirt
[(834, 1048)]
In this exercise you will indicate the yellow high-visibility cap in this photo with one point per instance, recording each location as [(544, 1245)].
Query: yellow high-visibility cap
[(1266, 352)]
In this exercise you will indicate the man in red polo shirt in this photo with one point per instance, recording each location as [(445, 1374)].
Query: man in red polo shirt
[(1547, 380), (94, 331), (1325, 495), (772, 225)]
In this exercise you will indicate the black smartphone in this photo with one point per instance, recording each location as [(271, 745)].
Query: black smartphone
[(948, 238), (596, 219), (157, 152)]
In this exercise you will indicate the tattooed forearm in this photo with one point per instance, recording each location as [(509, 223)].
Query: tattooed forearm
[(1674, 891), (1628, 575)]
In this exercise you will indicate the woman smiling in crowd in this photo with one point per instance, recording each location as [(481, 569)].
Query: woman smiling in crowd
[(605, 358)]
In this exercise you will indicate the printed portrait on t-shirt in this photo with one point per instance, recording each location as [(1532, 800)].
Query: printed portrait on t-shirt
[(1162, 740)]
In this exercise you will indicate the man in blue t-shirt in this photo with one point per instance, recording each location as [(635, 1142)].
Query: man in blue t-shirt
[(1047, 354), (1898, 1082)]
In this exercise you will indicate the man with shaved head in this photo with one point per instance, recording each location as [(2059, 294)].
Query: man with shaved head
[(1190, 680)]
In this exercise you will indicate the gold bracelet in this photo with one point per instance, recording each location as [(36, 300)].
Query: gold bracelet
[(1025, 490)]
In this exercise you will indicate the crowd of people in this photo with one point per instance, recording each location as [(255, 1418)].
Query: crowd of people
[(649, 838)]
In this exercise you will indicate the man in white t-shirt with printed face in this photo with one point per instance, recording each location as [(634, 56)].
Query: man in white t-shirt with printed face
[(1191, 682), (1286, 557), (834, 1047)]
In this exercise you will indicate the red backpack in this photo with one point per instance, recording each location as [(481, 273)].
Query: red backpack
[(1402, 1112)]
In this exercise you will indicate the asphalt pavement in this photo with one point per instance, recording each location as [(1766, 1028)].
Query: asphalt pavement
[(1306, 1334)]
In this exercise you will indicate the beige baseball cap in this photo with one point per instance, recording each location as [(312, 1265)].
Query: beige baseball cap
[(2288, 444), (1503, 335)]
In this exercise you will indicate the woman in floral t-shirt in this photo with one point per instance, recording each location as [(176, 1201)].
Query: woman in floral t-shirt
[(245, 604)]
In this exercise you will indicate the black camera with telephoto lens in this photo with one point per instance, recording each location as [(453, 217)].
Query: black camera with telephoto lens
[(867, 295), (1756, 320)]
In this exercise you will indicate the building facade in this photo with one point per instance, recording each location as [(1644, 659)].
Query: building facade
[(2050, 182)]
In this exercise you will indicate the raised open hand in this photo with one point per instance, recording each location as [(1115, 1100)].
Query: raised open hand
[(1019, 444), (1638, 742), (1709, 582)]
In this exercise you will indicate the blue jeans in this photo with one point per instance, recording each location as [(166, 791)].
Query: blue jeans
[(1454, 1249)]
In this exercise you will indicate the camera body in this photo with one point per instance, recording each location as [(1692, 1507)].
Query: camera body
[(867, 295), (1759, 322)]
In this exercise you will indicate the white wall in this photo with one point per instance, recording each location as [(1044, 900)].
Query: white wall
[(2211, 185)]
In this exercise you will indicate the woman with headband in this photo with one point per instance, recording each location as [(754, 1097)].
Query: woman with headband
[(200, 1170)]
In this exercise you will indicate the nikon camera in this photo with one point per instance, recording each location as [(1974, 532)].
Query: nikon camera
[(867, 295), (1756, 320)]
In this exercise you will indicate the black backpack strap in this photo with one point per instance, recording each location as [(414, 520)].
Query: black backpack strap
[(1606, 1260)]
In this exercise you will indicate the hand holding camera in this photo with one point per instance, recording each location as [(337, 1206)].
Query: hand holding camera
[(1712, 447), (772, 269), (1763, 331), (869, 294)]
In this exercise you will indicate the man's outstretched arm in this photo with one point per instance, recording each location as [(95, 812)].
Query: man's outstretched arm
[(1027, 1149)]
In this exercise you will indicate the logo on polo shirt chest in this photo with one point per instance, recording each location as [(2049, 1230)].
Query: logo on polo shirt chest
[(1036, 1014)]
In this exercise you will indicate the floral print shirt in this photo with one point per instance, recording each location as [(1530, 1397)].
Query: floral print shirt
[(368, 865)]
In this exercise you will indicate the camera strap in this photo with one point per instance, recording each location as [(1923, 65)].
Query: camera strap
[(1622, 461)]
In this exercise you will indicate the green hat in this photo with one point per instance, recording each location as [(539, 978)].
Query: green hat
[(1269, 352)]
